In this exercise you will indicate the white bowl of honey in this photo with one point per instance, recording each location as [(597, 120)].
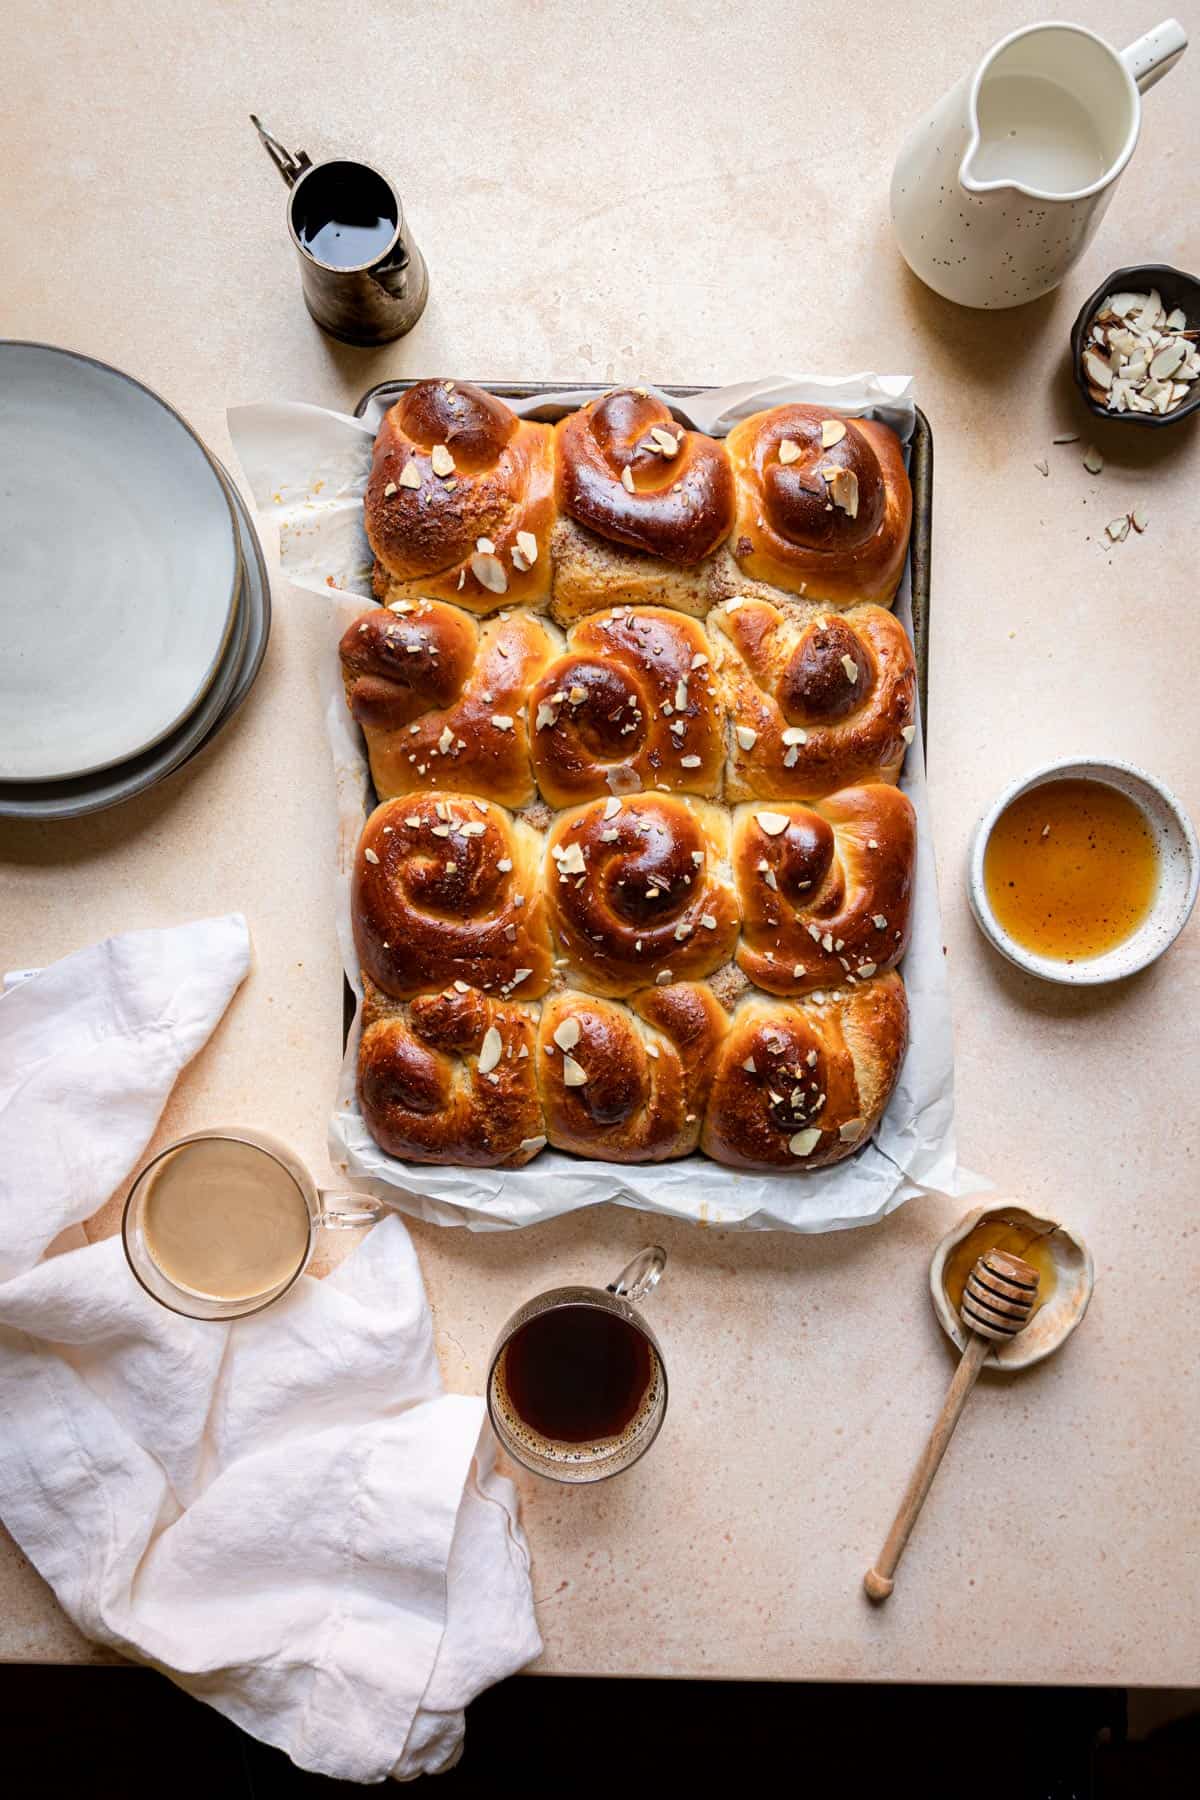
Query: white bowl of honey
[(1066, 1277), (1084, 871)]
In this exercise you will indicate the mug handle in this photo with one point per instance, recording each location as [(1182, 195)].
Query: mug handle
[(641, 1275), (1151, 57), (351, 1217)]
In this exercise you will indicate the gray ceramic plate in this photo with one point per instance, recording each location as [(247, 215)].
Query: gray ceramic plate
[(120, 568), (233, 681)]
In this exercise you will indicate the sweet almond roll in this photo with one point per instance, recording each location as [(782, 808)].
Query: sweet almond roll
[(448, 889), (826, 891), (638, 892), (460, 500), (628, 1083), (644, 503), (801, 1084), (816, 701), (451, 1078), (443, 699), (824, 505), (633, 703)]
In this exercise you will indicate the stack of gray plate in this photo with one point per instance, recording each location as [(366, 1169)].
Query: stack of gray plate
[(134, 604)]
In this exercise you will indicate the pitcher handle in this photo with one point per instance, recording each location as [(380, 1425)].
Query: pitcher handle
[(1151, 57)]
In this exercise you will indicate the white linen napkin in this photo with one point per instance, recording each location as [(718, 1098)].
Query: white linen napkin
[(286, 1514)]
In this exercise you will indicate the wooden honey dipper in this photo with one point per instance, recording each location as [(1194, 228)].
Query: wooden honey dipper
[(999, 1297)]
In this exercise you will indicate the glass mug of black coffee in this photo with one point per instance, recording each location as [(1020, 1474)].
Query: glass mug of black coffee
[(364, 279), (577, 1388)]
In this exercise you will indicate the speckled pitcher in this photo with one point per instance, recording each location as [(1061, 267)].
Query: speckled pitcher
[(999, 188)]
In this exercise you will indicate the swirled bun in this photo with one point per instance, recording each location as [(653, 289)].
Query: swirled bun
[(460, 500), (817, 701), (628, 1083), (638, 892), (448, 889), (643, 502), (632, 703), (824, 505), (825, 891), (443, 699), (451, 1077), (800, 1084)]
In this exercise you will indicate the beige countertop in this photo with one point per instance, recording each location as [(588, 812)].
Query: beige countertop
[(588, 211)]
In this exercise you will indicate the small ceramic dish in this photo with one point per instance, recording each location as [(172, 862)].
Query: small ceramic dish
[(1178, 875), (1176, 289), (1055, 1319)]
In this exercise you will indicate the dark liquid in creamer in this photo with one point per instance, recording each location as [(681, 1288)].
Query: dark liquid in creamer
[(345, 215), (577, 1374)]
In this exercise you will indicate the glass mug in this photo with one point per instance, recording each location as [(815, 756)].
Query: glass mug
[(222, 1223), (577, 1386)]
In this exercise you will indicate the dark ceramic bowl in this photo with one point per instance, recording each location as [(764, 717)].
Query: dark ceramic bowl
[(1177, 289)]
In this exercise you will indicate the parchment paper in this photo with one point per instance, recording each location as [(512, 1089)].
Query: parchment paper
[(308, 469)]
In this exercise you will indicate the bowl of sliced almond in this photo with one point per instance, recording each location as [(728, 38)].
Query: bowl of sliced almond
[(1136, 346)]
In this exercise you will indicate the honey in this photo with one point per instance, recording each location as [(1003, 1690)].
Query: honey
[(1071, 869), (1031, 1242)]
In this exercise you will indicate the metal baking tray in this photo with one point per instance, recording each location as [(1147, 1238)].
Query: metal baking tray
[(920, 473)]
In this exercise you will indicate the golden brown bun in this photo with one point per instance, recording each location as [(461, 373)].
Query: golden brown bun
[(826, 891), (443, 699), (638, 891), (799, 1085), (451, 1078), (632, 704), (787, 680), (448, 889), (426, 538), (646, 542), (830, 524), (628, 1083)]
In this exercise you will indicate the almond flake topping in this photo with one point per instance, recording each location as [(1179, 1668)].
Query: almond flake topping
[(488, 571), (546, 715), (666, 441), (570, 861), (573, 1075), (795, 734), (699, 660), (627, 479), (410, 475), (401, 606), (502, 721), (663, 978), (504, 865), (531, 1145), (851, 1129), (789, 451), (832, 432), (689, 762), (803, 1143), (879, 922), (611, 808), (440, 460), (444, 744), (490, 1051), (485, 546), (527, 544), (772, 823), (1093, 462), (566, 1034), (413, 821), (652, 1050), (474, 829), (850, 667), (460, 987), (747, 737), (908, 733), (843, 489), (370, 856), (866, 969)]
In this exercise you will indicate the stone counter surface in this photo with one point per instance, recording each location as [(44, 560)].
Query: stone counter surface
[(590, 209)]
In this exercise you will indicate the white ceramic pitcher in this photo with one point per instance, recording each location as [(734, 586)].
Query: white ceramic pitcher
[(999, 188)]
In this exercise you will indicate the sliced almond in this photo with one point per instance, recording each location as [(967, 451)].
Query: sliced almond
[(747, 737), (570, 861), (573, 1075), (908, 733), (440, 460), (1093, 462), (1098, 369), (502, 722), (851, 1129), (772, 823), (666, 441), (843, 490), (490, 1050), (850, 667), (389, 490), (832, 432), (566, 1034), (795, 734), (749, 1066), (527, 544), (488, 571), (410, 475), (1139, 518), (789, 451), (370, 856), (530, 1146), (1118, 529), (1167, 360), (803, 1143), (485, 546), (546, 715)]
